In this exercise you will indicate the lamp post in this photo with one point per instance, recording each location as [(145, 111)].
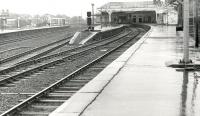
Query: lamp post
[(186, 32), (92, 14)]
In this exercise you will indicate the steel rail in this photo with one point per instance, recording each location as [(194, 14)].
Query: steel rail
[(31, 51), (35, 60), (59, 83), (52, 63)]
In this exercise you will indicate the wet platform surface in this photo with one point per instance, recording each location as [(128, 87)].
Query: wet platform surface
[(142, 85)]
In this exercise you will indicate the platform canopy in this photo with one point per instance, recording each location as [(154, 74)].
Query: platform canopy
[(136, 12), (132, 6)]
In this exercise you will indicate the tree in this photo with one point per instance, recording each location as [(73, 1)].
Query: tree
[(178, 5)]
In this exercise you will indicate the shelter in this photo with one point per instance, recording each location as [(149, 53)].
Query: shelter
[(136, 12)]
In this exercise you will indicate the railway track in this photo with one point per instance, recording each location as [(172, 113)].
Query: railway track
[(45, 101), (21, 36), (34, 60), (34, 53), (40, 38), (49, 61)]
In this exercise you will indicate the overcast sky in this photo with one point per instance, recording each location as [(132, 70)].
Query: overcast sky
[(67, 7)]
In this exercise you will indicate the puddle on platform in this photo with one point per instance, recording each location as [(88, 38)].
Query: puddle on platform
[(190, 95)]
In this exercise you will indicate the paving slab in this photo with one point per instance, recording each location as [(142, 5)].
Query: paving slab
[(145, 86), (75, 105)]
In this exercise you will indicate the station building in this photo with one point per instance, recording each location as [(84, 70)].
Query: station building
[(137, 12), (57, 21)]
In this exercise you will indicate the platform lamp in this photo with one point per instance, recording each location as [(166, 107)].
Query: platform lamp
[(186, 32)]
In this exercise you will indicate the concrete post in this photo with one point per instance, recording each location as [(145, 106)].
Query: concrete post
[(92, 14), (109, 17), (186, 32), (196, 17), (157, 18), (50, 21), (18, 22)]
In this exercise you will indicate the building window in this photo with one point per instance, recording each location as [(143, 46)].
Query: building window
[(129, 16), (140, 20), (149, 19), (134, 20)]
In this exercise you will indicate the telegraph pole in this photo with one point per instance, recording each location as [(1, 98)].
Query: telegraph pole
[(186, 32), (101, 18)]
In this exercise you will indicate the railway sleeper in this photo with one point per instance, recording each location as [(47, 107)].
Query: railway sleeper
[(48, 102), (27, 113), (93, 69), (44, 106), (69, 88), (52, 100), (108, 59), (4, 76), (8, 85), (98, 66), (64, 91), (73, 84), (35, 108), (59, 94), (16, 82), (52, 67), (82, 77), (79, 81), (104, 64), (116, 55), (66, 88), (87, 75), (14, 73), (25, 77)]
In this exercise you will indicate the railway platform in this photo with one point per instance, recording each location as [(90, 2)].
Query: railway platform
[(139, 83)]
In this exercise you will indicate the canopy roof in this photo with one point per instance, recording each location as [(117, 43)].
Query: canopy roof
[(127, 5)]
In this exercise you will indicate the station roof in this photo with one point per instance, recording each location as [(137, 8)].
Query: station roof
[(128, 5), (133, 7)]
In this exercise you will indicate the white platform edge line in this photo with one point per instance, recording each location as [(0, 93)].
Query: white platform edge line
[(88, 38)]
